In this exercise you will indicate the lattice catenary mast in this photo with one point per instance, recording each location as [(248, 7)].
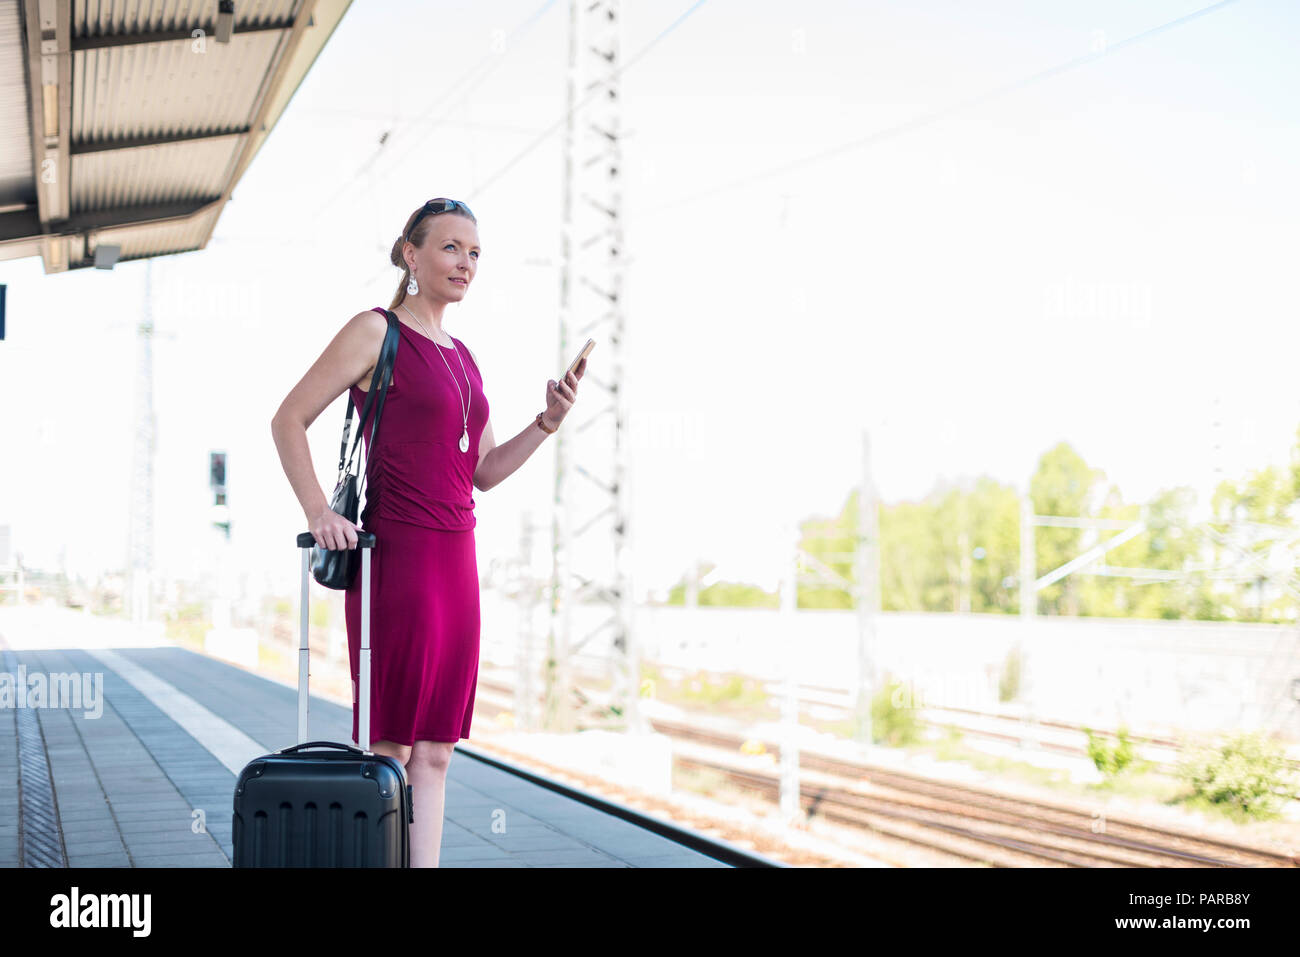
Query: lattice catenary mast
[(591, 503)]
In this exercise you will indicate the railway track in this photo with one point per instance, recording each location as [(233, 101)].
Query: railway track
[(982, 826), (1160, 753), (973, 824), (1160, 750)]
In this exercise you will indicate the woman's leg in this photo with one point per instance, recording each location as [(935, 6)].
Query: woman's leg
[(391, 749), (427, 774)]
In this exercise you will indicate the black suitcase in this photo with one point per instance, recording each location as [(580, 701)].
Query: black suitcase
[(319, 803)]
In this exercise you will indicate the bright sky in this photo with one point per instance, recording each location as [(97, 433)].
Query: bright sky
[(1104, 255)]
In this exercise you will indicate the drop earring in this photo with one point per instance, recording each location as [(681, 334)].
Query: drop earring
[(412, 287)]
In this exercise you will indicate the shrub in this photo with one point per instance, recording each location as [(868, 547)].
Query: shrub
[(729, 690), (1110, 759), (1240, 772), (1009, 682), (893, 715)]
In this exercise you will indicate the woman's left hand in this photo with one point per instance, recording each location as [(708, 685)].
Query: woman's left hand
[(560, 396)]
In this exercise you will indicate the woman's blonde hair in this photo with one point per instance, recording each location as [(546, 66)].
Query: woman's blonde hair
[(416, 237)]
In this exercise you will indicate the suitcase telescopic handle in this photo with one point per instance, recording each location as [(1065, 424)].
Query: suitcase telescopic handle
[(306, 541), (321, 744), (364, 539)]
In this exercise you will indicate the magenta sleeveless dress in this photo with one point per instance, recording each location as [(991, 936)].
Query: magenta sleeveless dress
[(424, 586)]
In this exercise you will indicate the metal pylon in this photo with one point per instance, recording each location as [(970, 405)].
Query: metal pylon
[(140, 564), (591, 503)]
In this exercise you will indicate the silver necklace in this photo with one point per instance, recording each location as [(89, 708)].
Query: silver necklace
[(464, 436)]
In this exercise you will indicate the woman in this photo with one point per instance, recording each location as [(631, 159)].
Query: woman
[(434, 445)]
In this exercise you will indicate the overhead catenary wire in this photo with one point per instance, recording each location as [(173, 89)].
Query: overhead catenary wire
[(537, 141), (933, 116), (482, 69), (415, 120), (859, 142), (550, 130)]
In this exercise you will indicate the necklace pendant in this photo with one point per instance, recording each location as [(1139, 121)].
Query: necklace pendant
[(464, 441)]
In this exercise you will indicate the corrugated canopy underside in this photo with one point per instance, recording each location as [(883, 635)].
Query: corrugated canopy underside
[(127, 124)]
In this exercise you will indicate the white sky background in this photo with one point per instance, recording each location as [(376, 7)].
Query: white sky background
[(1095, 257)]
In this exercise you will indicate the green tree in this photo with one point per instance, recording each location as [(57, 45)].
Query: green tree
[(959, 548), (1268, 496), (832, 542), (980, 527), (724, 594), (911, 559), (1168, 544), (1062, 485)]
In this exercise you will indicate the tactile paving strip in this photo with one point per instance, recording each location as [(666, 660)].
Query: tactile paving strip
[(41, 837)]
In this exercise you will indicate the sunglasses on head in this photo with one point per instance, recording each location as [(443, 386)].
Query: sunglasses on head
[(435, 206)]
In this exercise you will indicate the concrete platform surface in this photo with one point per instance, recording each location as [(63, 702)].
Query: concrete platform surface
[(141, 772)]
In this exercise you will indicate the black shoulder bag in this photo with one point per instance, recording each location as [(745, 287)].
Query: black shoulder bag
[(335, 568)]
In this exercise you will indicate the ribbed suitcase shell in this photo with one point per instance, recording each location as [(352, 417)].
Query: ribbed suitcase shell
[(322, 809), (340, 806)]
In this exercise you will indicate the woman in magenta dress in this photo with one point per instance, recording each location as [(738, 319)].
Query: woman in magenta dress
[(434, 448)]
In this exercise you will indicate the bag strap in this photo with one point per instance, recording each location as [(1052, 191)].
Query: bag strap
[(384, 369), (378, 384)]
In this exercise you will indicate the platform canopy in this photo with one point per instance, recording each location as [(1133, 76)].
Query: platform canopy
[(125, 124)]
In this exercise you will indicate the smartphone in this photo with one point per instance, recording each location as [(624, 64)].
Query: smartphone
[(586, 350)]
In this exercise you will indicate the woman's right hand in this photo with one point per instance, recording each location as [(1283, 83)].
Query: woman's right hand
[(332, 531)]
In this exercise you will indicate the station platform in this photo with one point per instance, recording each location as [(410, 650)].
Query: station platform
[(149, 780)]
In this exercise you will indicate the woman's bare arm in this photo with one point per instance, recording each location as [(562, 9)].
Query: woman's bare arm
[(352, 351)]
